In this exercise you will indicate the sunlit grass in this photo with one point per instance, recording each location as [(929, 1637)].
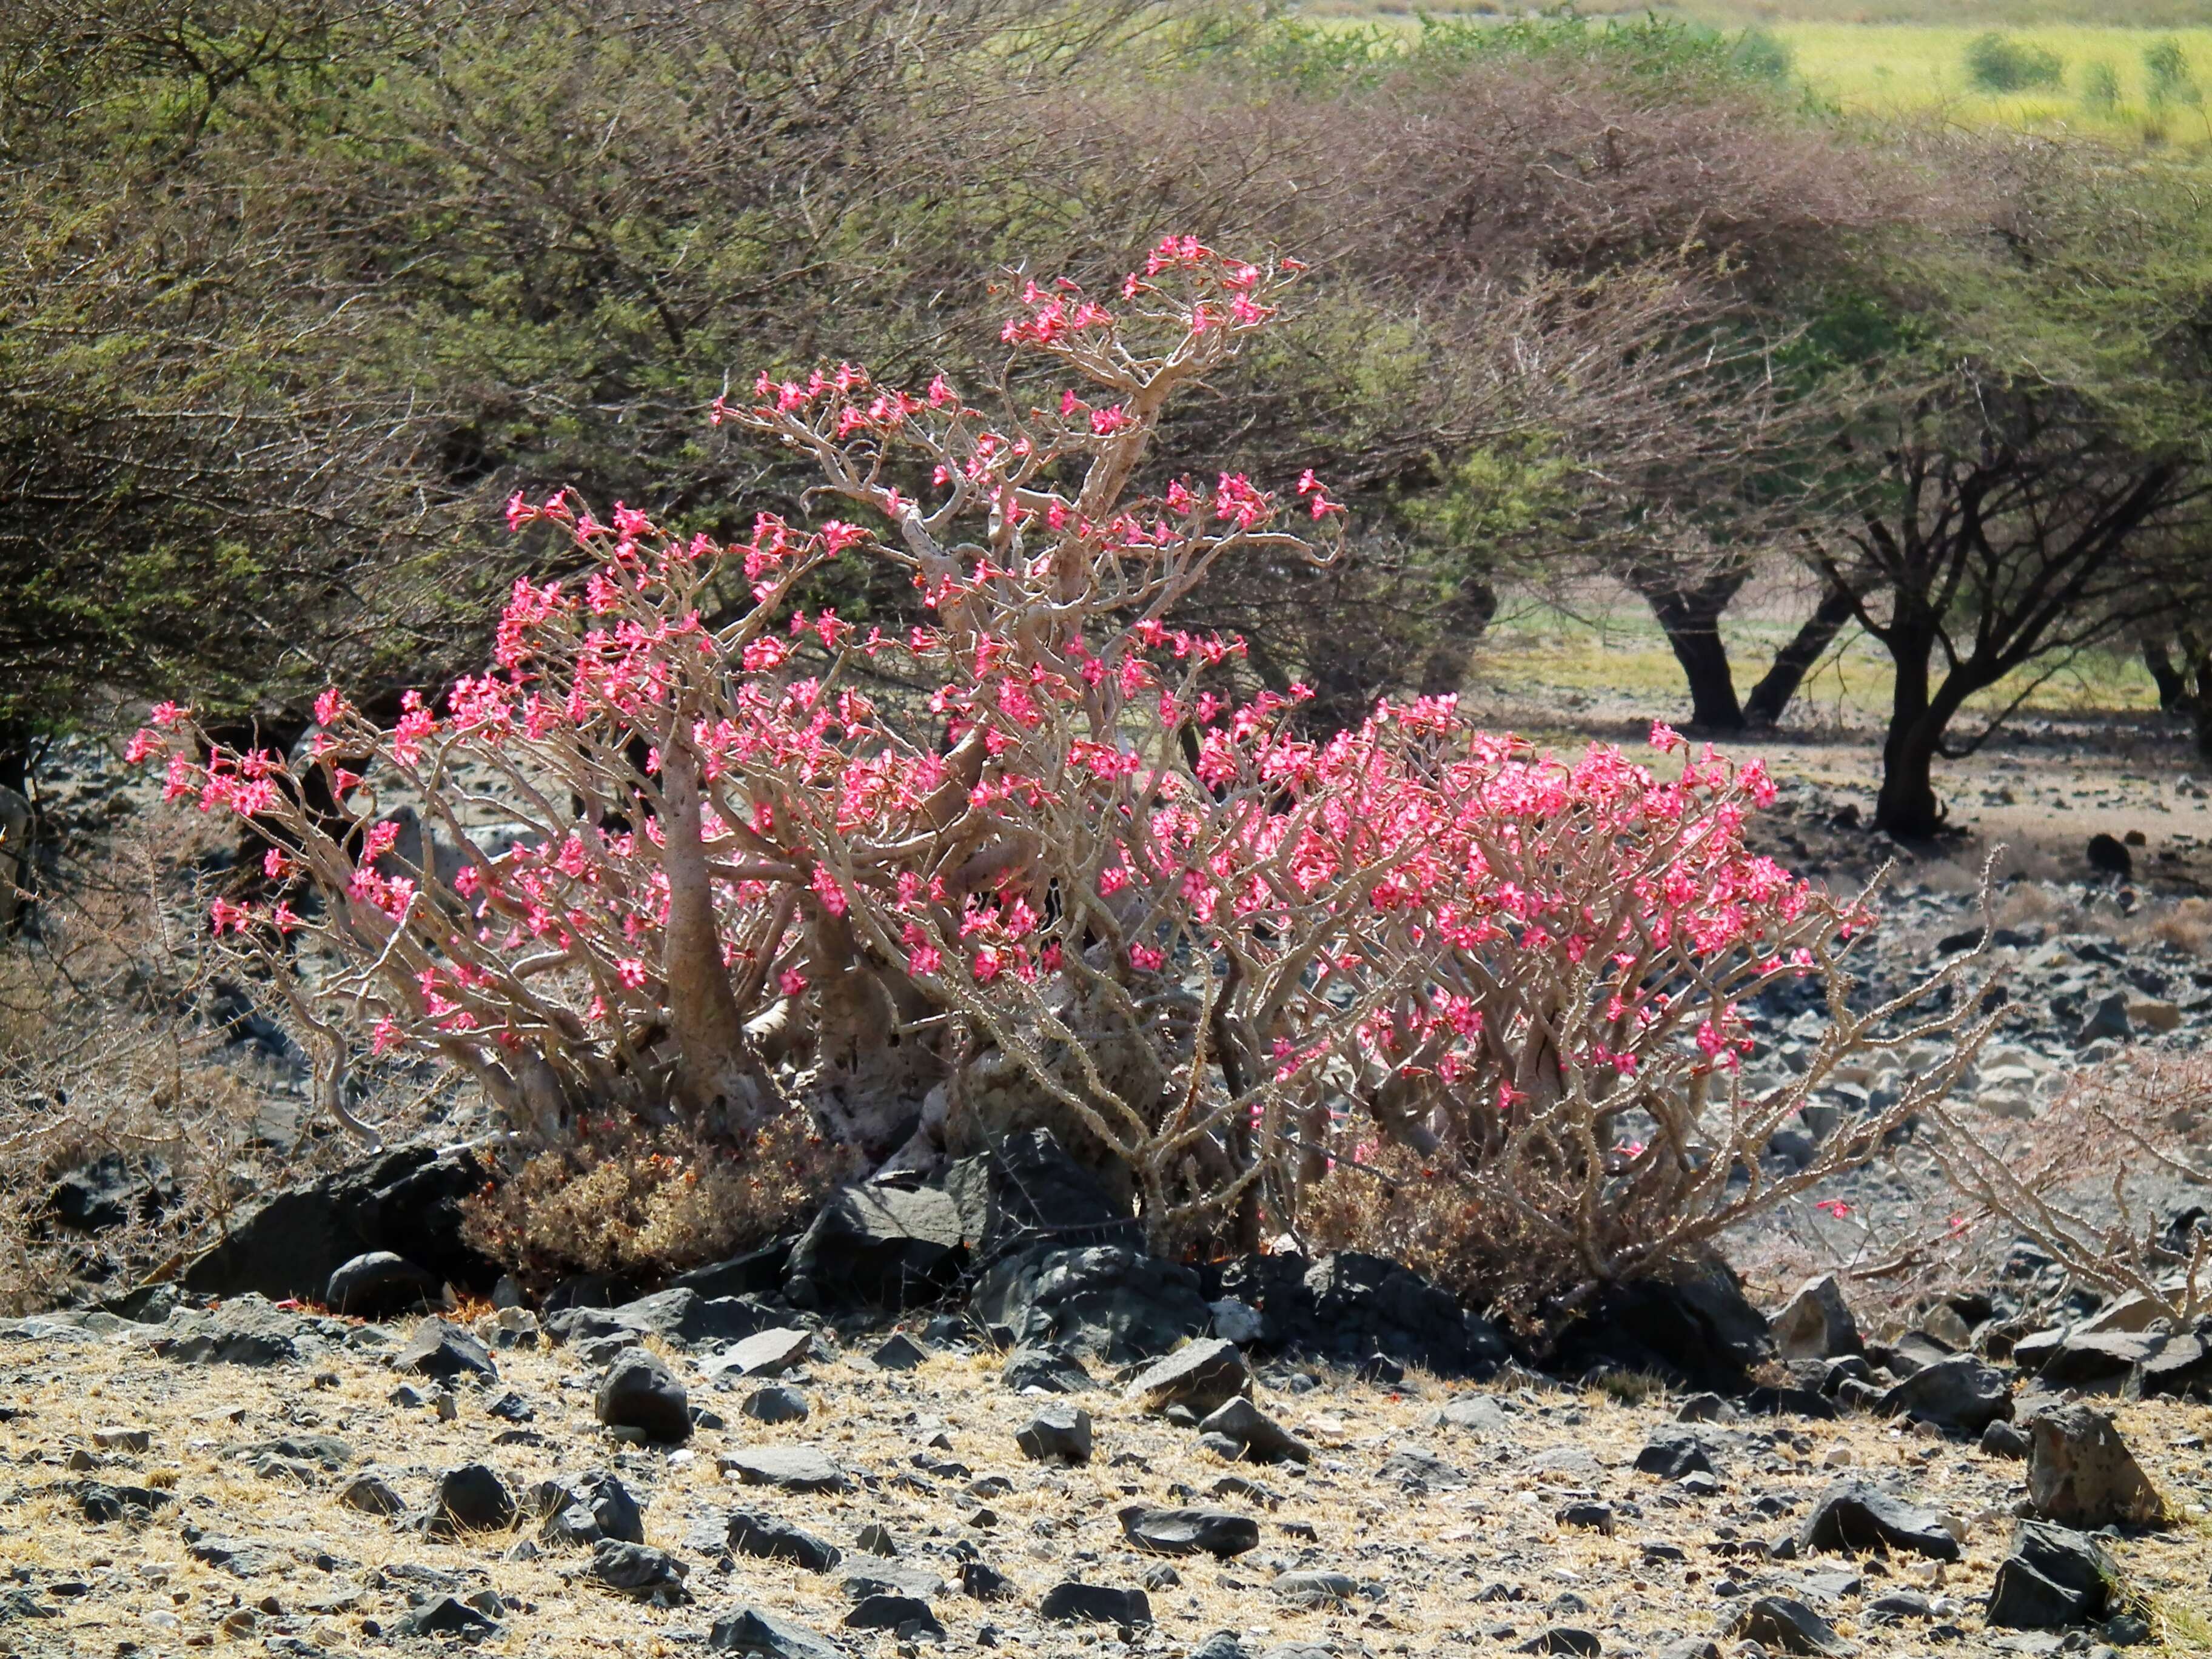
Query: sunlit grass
[(1612, 651), (1909, 68)]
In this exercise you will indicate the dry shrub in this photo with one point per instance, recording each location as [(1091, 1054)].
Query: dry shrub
[(1553, 1201), (115, 1039), (2094, 1182), (2186, 925), (624, 1199)]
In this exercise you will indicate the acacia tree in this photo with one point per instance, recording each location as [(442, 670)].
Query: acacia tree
[(2009, 527)]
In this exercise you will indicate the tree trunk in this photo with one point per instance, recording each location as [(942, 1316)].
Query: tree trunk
[(2172, 684), (1698, 647), (1691, 618), (1907, 807), (721, 1085), (1771, 696)]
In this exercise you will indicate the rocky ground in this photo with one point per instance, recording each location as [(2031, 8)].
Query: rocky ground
[(201, 1466), (254, 1478)]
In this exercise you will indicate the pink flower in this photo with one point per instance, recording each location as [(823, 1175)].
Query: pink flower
[(1148, 958), (630, 971), (790, 982)]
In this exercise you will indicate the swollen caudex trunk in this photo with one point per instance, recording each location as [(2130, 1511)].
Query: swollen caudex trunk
[(718, 1080)]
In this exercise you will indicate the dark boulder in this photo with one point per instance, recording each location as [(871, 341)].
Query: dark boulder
[(1096, 1604), (639, 1392), (1960, 1394), (884, 1246), (680, 1316), (1028, 1190), (377, 1284), (2054, 1578), (471, 1499), (750, 1630), (444, 1351), (1220, 1533), (112, 1191), (2080, 1473), (407, 1200), (1698, 1331), (588, 1508), (769, 1539), (1200, 1376), (1855, 1517), (1350, 1307), (1109, 1302)]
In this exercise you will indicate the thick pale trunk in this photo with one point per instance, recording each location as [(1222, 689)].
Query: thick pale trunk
[(719, 1083)]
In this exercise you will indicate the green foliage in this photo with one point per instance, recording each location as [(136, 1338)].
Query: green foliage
[(2100, 88), (2166, 68), (1647, 48), (1997, 63)]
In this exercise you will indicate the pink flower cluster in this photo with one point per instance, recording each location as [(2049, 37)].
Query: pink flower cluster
[(1088, 816)]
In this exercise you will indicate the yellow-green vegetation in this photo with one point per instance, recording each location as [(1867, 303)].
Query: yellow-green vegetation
[(2137, 80), (2139, 84), (1605, 647)]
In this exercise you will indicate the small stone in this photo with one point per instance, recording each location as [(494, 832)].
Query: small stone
[(2003, 1439), (1240, 1431), (639, 1392), (1096, 1604), (775, 1403), (1061, 1432), (875, 1538), (445, 1352), (792, 1468), (2080, 1473), (1203, 1375), (1218, 1532), (123, 1440)]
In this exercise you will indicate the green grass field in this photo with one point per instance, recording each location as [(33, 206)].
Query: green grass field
[(2104, 87), (2135, 78)]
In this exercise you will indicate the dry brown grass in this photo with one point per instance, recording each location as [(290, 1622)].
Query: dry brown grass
[(1432, 1552), (111, 1042), (629, 1200)]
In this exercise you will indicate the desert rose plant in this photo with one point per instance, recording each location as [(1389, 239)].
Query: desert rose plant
[(1031, 860)]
